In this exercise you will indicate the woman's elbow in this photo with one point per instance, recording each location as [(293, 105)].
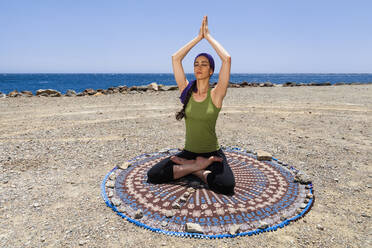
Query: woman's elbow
[(227, 60)]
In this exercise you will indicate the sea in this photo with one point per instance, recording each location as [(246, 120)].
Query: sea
[(81, 81)]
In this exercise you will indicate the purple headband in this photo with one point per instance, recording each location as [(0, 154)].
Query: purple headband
[(209, 57), (188, 87)]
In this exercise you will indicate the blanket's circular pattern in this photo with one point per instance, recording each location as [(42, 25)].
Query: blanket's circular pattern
[(266, 197)]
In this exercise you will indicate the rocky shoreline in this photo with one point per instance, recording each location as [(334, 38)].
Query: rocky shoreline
[(123, 89)]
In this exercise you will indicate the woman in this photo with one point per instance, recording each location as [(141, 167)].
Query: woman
[(201, 156)]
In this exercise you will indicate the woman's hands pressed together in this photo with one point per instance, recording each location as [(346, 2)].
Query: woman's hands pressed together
[(204, 31)]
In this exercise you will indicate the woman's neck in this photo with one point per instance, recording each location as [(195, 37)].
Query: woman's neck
[(202, 85)]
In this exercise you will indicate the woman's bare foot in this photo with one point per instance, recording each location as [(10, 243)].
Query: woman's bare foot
[(179, 160), (203, 163)]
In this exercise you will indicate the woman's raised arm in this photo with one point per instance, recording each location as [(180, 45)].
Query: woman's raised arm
[(177, 58), (224, 75)]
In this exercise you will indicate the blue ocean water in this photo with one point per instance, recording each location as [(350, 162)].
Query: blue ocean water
[(81, 81)]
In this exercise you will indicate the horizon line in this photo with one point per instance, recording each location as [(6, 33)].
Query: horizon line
[(185, 73)]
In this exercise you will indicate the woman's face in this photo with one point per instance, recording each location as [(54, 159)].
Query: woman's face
[(202, 68)]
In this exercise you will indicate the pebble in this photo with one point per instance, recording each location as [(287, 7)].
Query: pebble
[(36, 205), (263, 225), (303, 205), (110, 194), (365, 215), (186, 194), (191, 190), (320, 227), (124, 165), (169, 213), (302, 178), (110, 184), (176, 205), (112, 176), (193, 228), (116, 201), (263, 156), (335, 179), (121, 209), (82, 242), (164, 223), (234, 229), (138, 214)]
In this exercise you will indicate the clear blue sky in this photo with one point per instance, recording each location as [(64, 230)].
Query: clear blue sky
[(284, 36)]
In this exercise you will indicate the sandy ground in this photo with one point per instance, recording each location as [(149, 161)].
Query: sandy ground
[(54, 153)]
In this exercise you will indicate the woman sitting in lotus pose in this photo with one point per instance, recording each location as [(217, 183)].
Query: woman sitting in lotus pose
[(202, 155)]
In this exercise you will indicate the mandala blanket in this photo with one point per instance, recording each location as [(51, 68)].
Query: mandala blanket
[(269, 194)]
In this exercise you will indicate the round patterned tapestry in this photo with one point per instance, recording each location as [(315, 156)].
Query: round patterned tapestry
[(269, 194)]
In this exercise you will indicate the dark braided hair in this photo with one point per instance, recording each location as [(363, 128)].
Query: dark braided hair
[(181, 113)]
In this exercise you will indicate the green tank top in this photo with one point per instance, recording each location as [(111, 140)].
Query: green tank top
[(200, 121)]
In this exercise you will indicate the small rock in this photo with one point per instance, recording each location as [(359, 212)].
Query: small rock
[(193, 228), (121, 209), (320, 227), (82, 242), (90, 92), (153, 86), (234, 229), (138, 214), (116, 201), (183, 199), (112, 176), (169, 213), (164, 223), (335, 179), (124, 165), (191, 190), (110, 194), (36, 205), (263, 156), (365, 215), (186, 194), (263, 225), (48, 92), (110, 184), (283, 217), (14, 93), (176, 205), (27, 93), (309, 196), (302, 178), (165, 150), (70, 93), (98, 94), (303, 205)]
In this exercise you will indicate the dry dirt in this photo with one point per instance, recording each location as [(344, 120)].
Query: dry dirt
[(55, 152)]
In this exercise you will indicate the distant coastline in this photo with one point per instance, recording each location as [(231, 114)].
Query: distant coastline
[(81, 81)]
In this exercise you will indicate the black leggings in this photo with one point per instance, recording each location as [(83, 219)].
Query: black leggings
[(221, 178)]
